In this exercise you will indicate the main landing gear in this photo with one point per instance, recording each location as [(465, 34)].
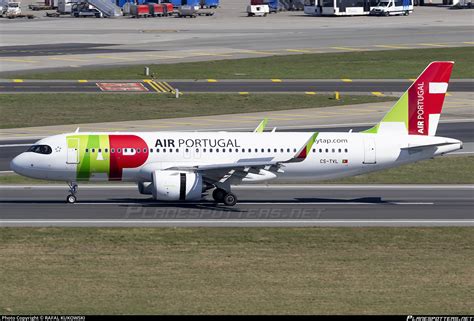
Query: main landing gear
[(222, 196), (71, 198)]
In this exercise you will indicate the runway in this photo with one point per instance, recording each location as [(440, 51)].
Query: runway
[(223, 86), (286, 205), (462, 131)]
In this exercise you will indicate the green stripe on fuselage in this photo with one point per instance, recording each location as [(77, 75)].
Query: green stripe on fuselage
[(92, 161)]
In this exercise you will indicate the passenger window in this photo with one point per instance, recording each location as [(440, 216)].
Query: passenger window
[(210, 150), (333, 150), (87, 150), (119, 150), (93, 150), (100, 150), (144, 150), (217, 150), (314, 150), (320, 150), (263, 150), (294, 150), (138, 150), (327, 150), (106, 150), (204, 150), (275, 150), (345, 150), (223, 150), (339, 150)]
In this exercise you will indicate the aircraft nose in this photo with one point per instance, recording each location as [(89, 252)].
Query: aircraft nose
[(20, 163)]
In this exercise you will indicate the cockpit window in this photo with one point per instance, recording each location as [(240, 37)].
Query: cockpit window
[(40, 149)]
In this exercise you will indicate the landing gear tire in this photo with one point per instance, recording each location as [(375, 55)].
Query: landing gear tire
[(230, 199), (71, 199), (218, 194)]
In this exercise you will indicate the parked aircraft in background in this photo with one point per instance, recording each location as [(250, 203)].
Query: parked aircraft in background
[(184, 166)]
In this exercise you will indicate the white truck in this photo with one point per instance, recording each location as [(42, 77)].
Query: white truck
[(392, 8), (260, 10)]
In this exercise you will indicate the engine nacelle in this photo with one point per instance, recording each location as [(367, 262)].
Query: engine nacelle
[(177, 186)]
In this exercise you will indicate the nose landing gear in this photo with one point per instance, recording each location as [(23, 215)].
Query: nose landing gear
[(71, 198)]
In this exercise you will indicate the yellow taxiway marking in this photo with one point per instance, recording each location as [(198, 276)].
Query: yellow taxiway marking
[(167, 86), (276, 80), (19, 60), (67, 59), (115, 58), (210, 54), (448, 94), (292, 115), (227, 120), (212, 80), (310, 93), (346, 80), (17, 80), (469, 42), (153, 85), (243, 93), (299, 50), (161, 86), (411, 79), (257, 52), (82, 80), (250, 117), (163, 57), (432, 44), (391, 46), (378, 94), (346, 48)]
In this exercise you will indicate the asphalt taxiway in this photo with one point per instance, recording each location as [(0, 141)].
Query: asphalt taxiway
[(286, 205), (224, 86)]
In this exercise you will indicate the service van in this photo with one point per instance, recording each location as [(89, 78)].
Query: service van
[(392, 8)]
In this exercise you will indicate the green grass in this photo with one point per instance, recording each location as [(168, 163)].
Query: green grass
[(407, 63), (441, 170), (236, 271), (27, 110)]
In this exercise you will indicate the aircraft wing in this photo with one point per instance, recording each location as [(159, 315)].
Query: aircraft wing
[(241, 168)]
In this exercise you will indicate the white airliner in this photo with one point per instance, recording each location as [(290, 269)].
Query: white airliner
[(184, 166)]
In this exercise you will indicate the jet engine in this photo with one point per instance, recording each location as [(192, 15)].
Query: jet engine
[(176, 186)]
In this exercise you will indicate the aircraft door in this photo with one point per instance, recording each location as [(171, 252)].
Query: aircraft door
[(369, 151), (72, 151)]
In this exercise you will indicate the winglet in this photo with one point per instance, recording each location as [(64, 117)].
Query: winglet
[(261, 127), (305, 150)]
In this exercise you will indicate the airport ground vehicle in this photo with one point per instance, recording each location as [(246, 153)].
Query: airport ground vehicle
[(184, 166), (84, 9), (11, 9), (392, 7), (338, 7), (260, 10)]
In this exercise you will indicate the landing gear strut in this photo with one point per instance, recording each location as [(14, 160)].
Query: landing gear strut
[(71, 198), (222, 196)]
